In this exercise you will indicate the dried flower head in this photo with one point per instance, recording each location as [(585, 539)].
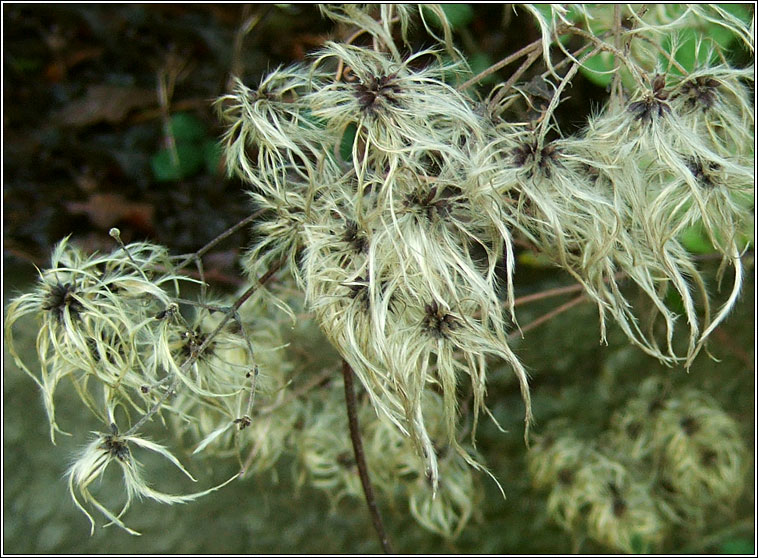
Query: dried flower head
[(105, 449), (94, 312), (592, 493), (703, 456)]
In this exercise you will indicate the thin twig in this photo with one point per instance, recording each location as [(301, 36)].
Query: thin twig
[(571, 58), (155, 408), (256, 448), (227, 233), (549, 293), (169, 75), (557, 95), (549, 316), (517, 74), (673, 61), (498, 65), (237, 65), (232, 312), (616, 82), (360, 459), (557, 291), (116, 235), (261, 413), (534, 45), (634, 69)]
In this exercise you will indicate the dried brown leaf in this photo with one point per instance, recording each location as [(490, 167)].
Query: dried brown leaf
[(105, 103), (106, 210)]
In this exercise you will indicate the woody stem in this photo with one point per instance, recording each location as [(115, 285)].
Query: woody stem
[(360, 458)]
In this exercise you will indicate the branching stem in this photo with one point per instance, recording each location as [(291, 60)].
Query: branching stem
[(232, 312), (516, 75), (227, 233), (530, 48), (634, 69), (557, 95)]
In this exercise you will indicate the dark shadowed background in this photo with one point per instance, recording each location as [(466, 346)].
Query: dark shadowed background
[(93, 97)]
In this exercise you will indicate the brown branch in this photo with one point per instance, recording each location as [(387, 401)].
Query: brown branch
[(498, 65), (517, 74), (550, 315), (227, 233), (549, 293), (360, 458), (230, 313), (557, 291), (616, 90), (534, 45), (633, 68)]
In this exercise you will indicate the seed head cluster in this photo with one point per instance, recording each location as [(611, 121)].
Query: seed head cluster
[(392, 197), (670, 457), (395, 199), (110, 324)]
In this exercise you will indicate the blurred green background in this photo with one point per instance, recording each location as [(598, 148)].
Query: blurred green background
[(573, 376), (86, 144)]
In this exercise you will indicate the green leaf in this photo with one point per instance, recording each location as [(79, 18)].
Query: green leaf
[(458, 15), (695, 240), (212, 156), (347, 141), (721, 35), (692, 49), (710, 35), (740, 11), (547, 13), (535, 259), (308, 117), (746, 235), (638, 544), (186, 127), (674, 302), (189, 161), (545, 10), (601, 62), (480, 61), (737, 546)]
